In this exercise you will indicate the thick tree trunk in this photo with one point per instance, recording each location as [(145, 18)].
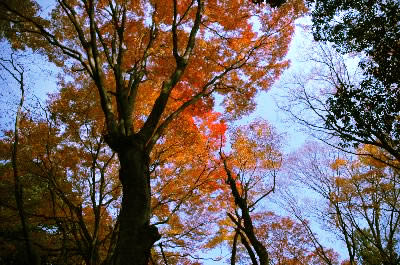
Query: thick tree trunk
[(136, 236)]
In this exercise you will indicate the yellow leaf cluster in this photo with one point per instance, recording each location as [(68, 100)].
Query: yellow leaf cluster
[(338, 163)]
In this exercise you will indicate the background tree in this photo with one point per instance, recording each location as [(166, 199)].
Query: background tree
[(361, 108), (16, 71), (327, 71), (369, 108), (254, 233), (359, 198), (249, 177), (69, 187)]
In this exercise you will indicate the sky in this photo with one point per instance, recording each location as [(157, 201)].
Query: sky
[(40, 79), (268, 103)]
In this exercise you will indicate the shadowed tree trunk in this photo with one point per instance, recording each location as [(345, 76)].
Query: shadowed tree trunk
[(136, 235)]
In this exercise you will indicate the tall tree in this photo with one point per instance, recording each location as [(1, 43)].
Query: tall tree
[(150, 61)]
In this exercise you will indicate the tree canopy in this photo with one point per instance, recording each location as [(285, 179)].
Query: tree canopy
[(371, 30)]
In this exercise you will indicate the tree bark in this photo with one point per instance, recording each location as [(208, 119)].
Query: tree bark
[(136, 235), (248, 248)]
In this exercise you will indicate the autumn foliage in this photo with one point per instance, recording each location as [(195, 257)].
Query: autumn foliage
[(132, 161)]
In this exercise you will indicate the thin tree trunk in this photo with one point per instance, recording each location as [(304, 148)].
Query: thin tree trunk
[(18, 190), (248, 248), (247, 227), (234, 247)]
